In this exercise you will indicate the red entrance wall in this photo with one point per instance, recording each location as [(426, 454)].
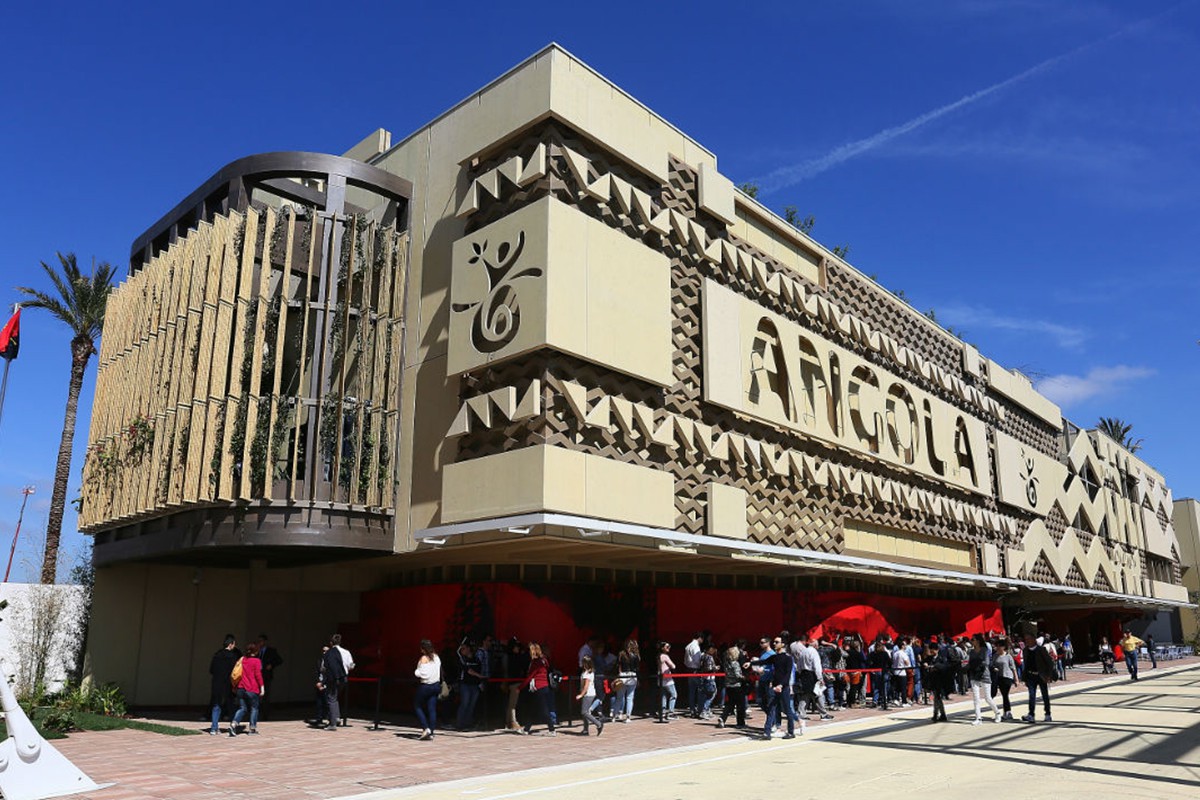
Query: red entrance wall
[(561, 617)]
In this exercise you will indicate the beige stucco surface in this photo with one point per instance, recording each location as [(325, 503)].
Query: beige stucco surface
[(553, 479)]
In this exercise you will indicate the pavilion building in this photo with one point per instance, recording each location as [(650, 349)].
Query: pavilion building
[(540, 369)]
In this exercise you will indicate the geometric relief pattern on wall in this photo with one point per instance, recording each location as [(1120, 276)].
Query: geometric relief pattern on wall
[(677, 228), (640, 424)]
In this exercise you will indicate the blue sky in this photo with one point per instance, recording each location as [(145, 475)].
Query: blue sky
[(1029, 169)]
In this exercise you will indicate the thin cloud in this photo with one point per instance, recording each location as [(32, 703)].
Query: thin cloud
[(973, 317), (795, 173), (1068, 390)]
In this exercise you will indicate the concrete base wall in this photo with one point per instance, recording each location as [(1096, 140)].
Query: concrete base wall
[(155, 627)]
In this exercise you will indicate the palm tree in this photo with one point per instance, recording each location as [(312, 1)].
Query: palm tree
[(1120, 432), (79, 304)]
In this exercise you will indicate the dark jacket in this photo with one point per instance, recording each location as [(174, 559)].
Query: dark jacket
[(333, 669), (978, 668), (220, 668)]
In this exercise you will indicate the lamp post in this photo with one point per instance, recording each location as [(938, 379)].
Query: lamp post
[(28, 490)]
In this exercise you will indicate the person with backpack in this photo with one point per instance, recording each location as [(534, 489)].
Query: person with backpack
[(220, 668), (539, 684), (1039, 674)]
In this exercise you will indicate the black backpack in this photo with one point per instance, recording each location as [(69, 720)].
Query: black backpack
[(555, 677)]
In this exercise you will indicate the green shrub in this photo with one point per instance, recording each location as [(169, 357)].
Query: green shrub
[(56, 718)]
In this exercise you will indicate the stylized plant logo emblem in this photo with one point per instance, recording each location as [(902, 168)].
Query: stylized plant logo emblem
[(499, 315), (1030, 479)]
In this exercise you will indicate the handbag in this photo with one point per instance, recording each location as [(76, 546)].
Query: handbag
[(235, 675), (445, 692), (618, 683)]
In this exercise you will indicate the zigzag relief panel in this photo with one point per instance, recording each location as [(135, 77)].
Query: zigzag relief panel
[(695, 243)]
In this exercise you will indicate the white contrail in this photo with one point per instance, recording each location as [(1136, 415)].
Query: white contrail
[(794, 173)]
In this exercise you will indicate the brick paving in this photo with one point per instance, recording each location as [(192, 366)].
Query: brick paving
[(289, 760)]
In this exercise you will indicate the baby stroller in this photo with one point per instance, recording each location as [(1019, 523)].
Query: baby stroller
[(1108, 661)]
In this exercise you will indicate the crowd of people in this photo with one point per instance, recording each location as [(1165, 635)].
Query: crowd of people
[(788, 678)]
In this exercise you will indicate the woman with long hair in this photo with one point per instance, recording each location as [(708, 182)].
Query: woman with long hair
[(1006, 675), (250, 690), (666, 681), (537, 682), (628, 663), (429, 677), (979, 672)]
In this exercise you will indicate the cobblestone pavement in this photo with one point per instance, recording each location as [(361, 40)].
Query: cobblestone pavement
[(289, 760)]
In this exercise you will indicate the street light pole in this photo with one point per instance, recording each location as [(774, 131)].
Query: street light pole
[(28, 490)]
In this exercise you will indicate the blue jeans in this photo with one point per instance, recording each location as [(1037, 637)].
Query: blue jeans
[(468, 697), (425, 705), (777, 701), (1131, 658), (879, 687), (669, 695), (623, 701), (217, 710), (708, 690), (245, 699)]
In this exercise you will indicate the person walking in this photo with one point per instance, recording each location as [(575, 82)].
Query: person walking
[(941, 673), (628, 662), (220, 667), (587, 696), (778, 691), (330, 680), (735, 687), (1005, 675), (979, 673), (1130, 644), (429, 686), (249, 690), (666, 682), (1150, 651), (809, 678), (1107, 658), (1038, 674), (537, 681)]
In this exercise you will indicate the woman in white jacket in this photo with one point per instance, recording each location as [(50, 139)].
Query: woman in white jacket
[(429, 675)]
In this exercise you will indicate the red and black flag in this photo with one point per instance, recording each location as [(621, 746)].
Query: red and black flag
[(10, 337)]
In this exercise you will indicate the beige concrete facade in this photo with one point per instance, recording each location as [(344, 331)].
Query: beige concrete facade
[(597, 325)]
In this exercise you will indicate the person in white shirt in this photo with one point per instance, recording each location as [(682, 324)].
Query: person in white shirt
[(691, 663), (429, 674), (590, 703), (901, 664), (347, 659)]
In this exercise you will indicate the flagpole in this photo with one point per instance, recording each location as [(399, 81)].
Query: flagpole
[(4, 387), (28, 490)]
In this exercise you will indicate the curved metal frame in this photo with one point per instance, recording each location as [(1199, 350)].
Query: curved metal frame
[(230, 189)]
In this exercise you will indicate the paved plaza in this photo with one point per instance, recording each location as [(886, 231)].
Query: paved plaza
[(1109, 736)]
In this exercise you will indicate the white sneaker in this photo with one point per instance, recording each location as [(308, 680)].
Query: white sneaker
[(977, 721)]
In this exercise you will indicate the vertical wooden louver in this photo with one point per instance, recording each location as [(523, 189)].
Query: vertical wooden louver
[(214, 389)]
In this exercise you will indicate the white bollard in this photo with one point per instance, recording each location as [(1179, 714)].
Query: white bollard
[(30, 767)]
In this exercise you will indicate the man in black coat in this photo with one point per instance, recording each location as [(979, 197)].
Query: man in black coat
[(331, 679), (220, 668)]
